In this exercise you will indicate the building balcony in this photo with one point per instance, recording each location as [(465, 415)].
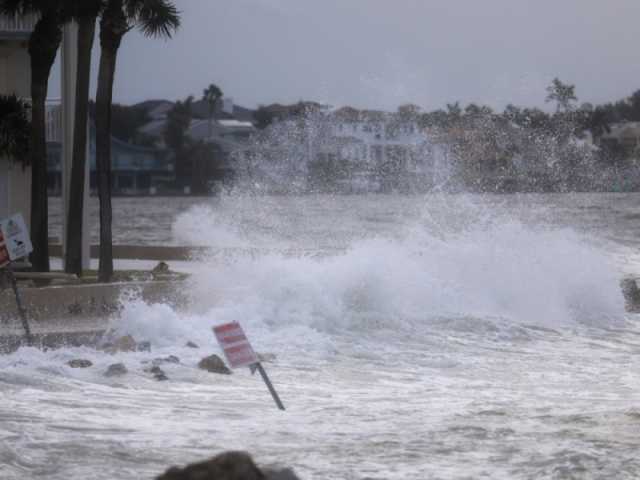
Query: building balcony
[(18, 27)]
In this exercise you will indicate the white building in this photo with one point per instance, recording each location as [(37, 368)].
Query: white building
[(15, 78)]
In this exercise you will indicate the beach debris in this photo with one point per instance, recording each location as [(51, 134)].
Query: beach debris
[(191, 345), (116, 370), (227, 466), (79, 363), (214, 364)]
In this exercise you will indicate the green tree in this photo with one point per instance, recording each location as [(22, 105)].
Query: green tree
[(15, 129), (155, 18), (125, 121), (212, 95), (264, 117), (175, 135), (563, 94)]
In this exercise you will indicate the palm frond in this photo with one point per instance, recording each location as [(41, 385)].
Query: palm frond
[(16, 7), (155, 18)]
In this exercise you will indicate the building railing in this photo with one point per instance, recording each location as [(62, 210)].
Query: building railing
[(18, 23), (54, 121)]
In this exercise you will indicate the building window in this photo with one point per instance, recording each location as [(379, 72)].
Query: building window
[(125, 181)]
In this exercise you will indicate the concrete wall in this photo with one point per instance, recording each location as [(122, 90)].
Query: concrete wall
[(15, 70)]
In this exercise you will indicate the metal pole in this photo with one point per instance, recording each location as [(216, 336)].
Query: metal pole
[(272, 390), (21, 309)]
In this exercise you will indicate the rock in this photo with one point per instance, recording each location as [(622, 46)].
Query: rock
[(285, 474), (169, 359), (191, 345), (144, 346), (79, 363), (155, 370), (214, 364), (161, 268), (631, 294), (226, 466), (116, 370), (267, 357), (122, 344)]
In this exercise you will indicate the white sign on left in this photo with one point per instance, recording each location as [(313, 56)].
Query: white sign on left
[(16, 237)]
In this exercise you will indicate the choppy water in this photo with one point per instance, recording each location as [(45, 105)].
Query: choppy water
[(417, 337)]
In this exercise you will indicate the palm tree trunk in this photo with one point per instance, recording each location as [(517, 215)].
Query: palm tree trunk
[(73, 254), (113, 26), (43, 47)]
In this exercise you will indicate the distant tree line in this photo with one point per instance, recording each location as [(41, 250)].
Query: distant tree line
[(518, 149)]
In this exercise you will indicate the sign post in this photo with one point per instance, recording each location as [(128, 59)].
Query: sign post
[(15, 244), (239, 353)]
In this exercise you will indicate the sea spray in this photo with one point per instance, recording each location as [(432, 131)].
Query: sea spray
[(427, 275)]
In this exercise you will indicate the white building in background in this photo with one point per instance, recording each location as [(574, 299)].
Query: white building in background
[(15, 78)]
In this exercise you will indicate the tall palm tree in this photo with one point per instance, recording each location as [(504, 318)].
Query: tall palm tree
[(211, 95), (43, 47), (85, 12), (155, 18)]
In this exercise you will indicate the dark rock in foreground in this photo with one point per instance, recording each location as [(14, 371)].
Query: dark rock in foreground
[(116, 370), (631, 294), (214, 364), (226, 466), (79, 363)]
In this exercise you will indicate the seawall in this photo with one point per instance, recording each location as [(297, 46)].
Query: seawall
[(76, 314)]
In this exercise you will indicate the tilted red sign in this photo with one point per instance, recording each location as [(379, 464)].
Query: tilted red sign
[(235, 345)]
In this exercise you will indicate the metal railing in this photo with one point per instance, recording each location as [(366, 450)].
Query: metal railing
[(17, 23), (54, 121)]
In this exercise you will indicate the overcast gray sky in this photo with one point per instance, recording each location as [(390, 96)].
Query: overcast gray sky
[(382, 53)]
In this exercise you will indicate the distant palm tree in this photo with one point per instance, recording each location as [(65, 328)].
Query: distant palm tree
[(212, 94), (155, 18), (44, 43), (85, 12)]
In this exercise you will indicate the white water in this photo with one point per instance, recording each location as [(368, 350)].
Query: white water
[(439, 337)]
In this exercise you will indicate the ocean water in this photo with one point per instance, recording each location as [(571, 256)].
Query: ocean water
[(418, 337)]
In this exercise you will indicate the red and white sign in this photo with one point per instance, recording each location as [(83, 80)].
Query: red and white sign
[(235, 345), (4, 253)]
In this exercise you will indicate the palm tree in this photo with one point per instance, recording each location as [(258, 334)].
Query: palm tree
[(85, 12), (43, 47), (155, 18), (211, 95)]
